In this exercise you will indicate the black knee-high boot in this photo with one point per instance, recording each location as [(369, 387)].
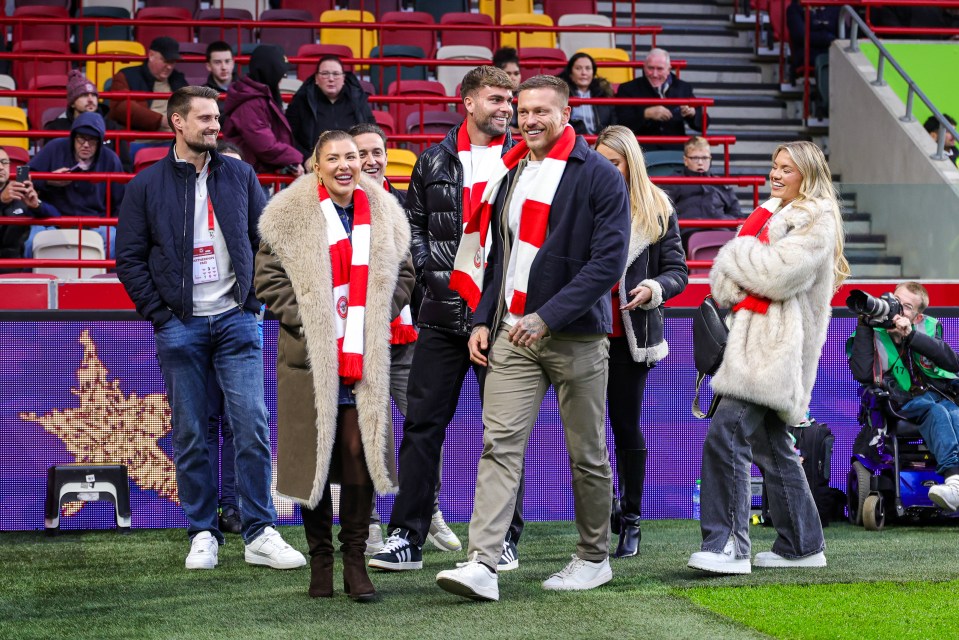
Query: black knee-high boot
[(355, 507), (318, 525), (632, 476)]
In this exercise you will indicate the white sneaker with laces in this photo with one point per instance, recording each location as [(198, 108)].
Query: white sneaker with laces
[(441, 535), (374, 543), (471, 579), (946, 495), (725, 562), (580, 575), (771, 559), (204, 549), (270, 550)]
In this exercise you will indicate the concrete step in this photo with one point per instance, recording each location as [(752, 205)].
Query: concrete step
[(876, 267), (856, 223), (693, 7), (864, 243), (675, 40), (731, 75)]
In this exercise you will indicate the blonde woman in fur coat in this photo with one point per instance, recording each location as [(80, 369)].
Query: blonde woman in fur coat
[(655, 272), (332, 267), (778, 277)]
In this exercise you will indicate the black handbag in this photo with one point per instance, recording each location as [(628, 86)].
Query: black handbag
[(709, 343)]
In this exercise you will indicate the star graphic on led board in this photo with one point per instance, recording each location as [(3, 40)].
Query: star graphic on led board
[(109, 427)]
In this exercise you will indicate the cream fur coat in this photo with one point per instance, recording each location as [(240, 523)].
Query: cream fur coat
[(294, 278), (772, 359)]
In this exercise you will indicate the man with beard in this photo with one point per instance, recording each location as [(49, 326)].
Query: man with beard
[(445, 190), (185, 247)]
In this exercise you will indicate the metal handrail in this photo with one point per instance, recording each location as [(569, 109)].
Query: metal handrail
[(914, 90)]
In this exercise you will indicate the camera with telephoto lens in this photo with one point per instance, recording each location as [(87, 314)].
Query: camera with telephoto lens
[(876, 312)]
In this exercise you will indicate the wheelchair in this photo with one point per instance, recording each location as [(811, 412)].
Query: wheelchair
[(892, 469)]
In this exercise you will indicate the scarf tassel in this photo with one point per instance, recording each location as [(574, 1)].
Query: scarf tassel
[(351, 367), (402, 333)]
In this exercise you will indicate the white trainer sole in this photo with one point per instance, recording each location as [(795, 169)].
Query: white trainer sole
[(768, 559), (466, 590)]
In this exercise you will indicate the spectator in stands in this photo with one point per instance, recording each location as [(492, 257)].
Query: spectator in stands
[(82, 152), (158, 75), (540, 330), (221, 65), (701, 201), (331, 99), (507, 59), (580, 75), (321, 238), (655, 272), (919, 370), (444, 192), (254, 115), (186, 245), (932, 128), (778, 276), (82, 97), (658, 81), (17, 199), (823, 29)]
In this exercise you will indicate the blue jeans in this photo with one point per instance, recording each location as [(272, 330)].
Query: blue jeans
[(229, 344), (224, 464), (938, 420), (740, 433)]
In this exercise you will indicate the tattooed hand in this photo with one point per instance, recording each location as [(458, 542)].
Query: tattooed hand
[(528, 331)]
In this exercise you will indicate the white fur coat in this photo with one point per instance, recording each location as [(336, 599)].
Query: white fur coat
[(771, 359)]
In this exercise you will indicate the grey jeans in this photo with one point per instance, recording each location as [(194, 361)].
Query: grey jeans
[(741, 433)]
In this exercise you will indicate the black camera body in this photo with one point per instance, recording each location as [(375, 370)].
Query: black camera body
[(876, 312)]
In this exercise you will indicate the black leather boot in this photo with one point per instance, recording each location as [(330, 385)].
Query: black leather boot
[(632, 466)]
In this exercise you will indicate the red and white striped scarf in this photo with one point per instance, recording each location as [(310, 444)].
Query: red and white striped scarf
[(757, 225), (350, 262), (467, 277), (402, 329)]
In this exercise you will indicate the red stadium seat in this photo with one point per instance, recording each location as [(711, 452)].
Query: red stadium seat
[(383, 119), (315, 7), (147, 156), (306, 69), (195, 72), (18, 157), (371, 5), (227, 34), (425, 39), (549, 61), (25, 69), (432, 122), (291, 39), (49, 115), (480, 36), (190, 5), (401, 112), (36, 106), (40, 31), (42, 3), (704, 245), (556, 9), (146, 34)]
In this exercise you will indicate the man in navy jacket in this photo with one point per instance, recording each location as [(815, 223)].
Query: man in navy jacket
[(560, 339), (185, 245)]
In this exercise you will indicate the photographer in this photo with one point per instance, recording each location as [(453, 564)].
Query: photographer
[(903, 349)]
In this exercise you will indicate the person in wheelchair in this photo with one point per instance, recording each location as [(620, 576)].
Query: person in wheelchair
[(903, 350)]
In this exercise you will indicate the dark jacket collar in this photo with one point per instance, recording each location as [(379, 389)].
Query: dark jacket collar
[(449, 142), (182, 167)]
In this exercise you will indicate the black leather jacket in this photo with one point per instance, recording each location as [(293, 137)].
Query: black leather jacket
[(434, 205)]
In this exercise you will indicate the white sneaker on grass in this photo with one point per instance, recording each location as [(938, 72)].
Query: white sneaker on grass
[(374, 543), (204, 549), (725, 562), (472, 580), (441, 535), (580, 575), (270, 550), (946, 495), (771, 559)]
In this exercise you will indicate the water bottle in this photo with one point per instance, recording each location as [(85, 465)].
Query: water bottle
[(696, 511)]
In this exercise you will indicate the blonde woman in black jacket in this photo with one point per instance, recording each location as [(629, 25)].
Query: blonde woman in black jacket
[(655, 272)]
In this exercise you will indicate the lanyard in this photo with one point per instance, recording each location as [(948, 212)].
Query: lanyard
[(209, 215)]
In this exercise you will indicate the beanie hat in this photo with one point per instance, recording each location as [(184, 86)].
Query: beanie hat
[(77, 85)]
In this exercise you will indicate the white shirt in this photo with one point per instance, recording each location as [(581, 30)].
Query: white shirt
[(522, 189), (210, 298)]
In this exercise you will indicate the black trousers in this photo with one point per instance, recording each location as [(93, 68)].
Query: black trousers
[(440, 363), (624, 395)]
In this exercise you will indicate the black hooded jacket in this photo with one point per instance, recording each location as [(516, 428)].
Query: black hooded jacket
[(311, 112)]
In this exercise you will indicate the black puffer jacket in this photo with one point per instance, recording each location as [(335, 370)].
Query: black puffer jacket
[(434, 205), (311, 113)]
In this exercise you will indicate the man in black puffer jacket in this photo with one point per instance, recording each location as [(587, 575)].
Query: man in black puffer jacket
[(434, 204)]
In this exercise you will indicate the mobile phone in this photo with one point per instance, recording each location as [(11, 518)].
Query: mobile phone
[(23, 173)]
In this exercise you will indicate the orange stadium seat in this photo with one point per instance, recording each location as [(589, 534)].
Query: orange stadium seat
[(360, 41), (100, 72), (615, 75), (523, 39), (400, 162), (13, 119), (506, 7)]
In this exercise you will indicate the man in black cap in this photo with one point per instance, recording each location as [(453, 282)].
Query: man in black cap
[(158, 75)]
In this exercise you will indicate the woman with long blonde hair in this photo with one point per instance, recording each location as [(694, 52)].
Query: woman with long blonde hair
[(778, 277), (655, 272)]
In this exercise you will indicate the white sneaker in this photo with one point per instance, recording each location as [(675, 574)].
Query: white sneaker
[(946, 495), (580, 575), (472, 580), (374, 543), (203, 551), (441, 535), (270, 550), (770, 559), (725, 562)]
